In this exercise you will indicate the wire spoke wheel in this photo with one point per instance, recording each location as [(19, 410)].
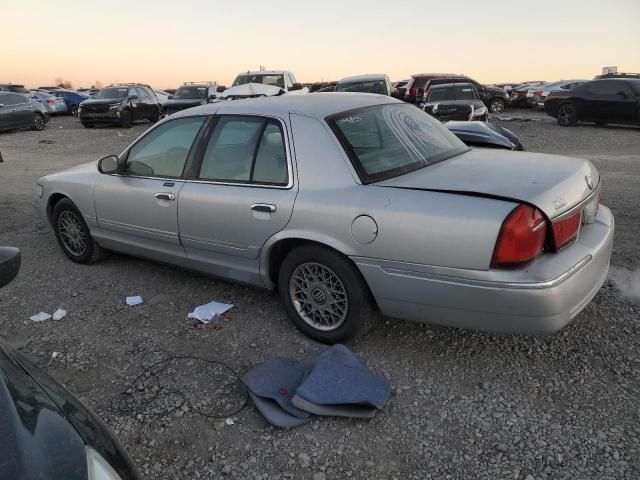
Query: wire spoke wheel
[(38, 122), (319, 296), (72, 233)]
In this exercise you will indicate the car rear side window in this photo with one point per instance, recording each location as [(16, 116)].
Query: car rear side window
[(164, 151), (385, 141), (246, 150)]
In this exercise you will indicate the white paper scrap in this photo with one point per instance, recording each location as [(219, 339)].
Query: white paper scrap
[(135, 300), (41, 317), (205, 313), (59, 313)]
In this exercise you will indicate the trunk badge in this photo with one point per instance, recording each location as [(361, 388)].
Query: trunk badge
[(589, 182)]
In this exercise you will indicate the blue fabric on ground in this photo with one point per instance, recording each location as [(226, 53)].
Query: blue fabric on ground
[(275, 415), (278, 379), (332, 381)]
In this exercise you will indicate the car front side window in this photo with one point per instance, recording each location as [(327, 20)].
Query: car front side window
[(164, 151)]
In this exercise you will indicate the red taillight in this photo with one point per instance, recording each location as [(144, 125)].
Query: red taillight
[(521, 238), (566, 230)]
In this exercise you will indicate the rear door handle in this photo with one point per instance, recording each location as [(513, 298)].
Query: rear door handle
[(165, 196), (263, 207)]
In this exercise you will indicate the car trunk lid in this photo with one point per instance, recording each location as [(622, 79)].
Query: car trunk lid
[(554, 184)]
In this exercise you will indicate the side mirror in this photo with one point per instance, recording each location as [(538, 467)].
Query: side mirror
[(133, 97), (108, 164), (9, 264)]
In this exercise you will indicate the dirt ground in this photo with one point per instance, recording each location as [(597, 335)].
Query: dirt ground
[(464, 404)]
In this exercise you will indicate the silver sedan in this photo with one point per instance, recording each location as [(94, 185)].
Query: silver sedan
[(347, 204)]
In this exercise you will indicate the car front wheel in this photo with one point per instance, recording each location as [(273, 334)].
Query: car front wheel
[(73, 110), (567, 115), (126, 119), (324, 294), (38, 122), (73, 234), (496, 105)]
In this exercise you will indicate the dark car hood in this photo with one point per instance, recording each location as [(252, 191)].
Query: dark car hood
[(496, 91), (455, 103), (101, 101), (36, 440), (184, 102), (485, 134)]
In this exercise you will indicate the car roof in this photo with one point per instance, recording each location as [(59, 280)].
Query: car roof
[(315, 105), (265, 72), (364, 78), (437, 75)]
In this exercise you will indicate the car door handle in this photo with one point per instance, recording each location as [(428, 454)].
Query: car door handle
[(165, 196), (263, 207)]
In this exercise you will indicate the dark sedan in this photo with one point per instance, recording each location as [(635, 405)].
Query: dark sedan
[(45, 432), (18, 111), (613, 100)]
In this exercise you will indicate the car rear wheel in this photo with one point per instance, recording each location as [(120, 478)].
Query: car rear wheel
[(496, 105), (567, 115), (324, 294), (73, 110), (74, 236), (38, 122), (126, 119)]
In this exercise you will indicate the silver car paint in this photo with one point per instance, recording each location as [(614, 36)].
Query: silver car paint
[(427, 253)]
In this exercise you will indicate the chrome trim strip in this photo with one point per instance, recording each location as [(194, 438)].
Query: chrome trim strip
[(577, 207), (489, 284)]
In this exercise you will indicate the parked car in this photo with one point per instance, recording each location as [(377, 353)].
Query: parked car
[(379, 204), (191, 94), (378, 83), (12, 87), (614, 100), (46, 432), (71, 98), (18, 111), (328, 89), (399, 89), (281, 79), (493, 97), (518, 95), (455, 101), (618, 75), (537, 95), (120, 104), (53, 104), (485, 134), (162, 97)]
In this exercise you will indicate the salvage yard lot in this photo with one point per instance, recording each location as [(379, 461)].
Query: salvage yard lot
[(465, 404)]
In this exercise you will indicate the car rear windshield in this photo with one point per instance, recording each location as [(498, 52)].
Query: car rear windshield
[(267, 79), (371, 86), (112, 93), (191, 93), (384, 141)]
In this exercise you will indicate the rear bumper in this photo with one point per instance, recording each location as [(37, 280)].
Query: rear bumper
[(529, 301)]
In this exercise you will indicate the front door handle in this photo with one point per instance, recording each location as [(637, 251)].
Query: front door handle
[(165, 196), (263, 207)]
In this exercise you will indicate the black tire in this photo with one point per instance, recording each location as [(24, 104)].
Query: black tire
[(155, 117), (92, 252), (73, 110), (358, 310), (496, 105), (126, 119), (38, 122), (567, 115), (87, 125), (601, 124)]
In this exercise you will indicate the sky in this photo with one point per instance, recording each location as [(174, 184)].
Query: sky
[(165, 43)]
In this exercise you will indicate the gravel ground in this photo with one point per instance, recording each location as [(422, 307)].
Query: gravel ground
[(464, 404)]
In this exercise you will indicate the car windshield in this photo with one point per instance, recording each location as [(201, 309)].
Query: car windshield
[(635, 85), (385, 141), (277, 80), (372, 86), (191, 93), (115, 92)]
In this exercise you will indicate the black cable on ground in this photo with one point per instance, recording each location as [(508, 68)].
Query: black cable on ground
[(128, 402)]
